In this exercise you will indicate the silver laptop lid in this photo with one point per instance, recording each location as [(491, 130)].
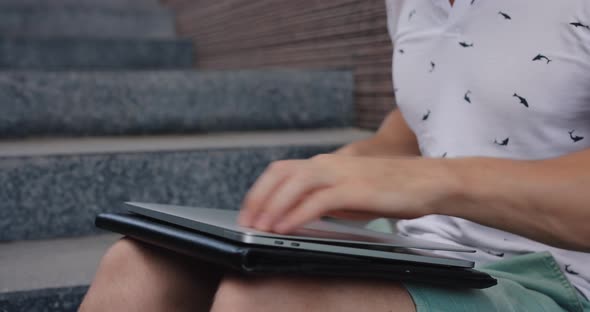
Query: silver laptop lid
[(218, 222)]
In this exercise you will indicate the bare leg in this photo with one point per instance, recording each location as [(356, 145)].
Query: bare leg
[(310, 294), (136, 277)]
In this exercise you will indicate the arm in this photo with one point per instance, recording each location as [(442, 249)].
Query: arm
[(544, 200), (547, 201), (394, 138)]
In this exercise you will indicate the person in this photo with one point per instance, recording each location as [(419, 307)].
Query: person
[(490, 149)]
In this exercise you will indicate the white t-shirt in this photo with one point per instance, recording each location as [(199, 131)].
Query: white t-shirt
[(501, 78)]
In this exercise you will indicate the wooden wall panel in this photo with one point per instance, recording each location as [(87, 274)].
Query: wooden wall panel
[(309, 34)]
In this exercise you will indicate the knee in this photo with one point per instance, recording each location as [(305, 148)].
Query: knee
[(115, 271), (122, 256), (133, 276), (134, 267)]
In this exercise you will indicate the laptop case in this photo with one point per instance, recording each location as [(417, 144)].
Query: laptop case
[(266, 260)]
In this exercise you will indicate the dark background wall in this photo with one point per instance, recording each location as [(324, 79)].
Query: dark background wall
[(336, 34)]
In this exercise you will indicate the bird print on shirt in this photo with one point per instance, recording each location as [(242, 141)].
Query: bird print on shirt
[(575, 138), (506, 16), (541, 57), (580, 24), (503, 142), (522, 100), (495, 253), (467, 98), (570, 271)]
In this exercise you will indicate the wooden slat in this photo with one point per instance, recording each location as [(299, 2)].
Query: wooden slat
[(306, 34)]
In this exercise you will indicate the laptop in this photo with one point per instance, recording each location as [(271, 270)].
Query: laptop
[(320, 236), (321, 249)]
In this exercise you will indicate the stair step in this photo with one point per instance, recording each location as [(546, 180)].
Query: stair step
[(54, 188), (49, 275), (165, 102), (30, 265), (78, 21), (113, 4), (65, 299), (94, 54)]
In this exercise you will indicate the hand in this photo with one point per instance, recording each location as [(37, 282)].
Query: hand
[(291, 193)]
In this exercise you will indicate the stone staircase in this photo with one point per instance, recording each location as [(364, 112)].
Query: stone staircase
[(99, 105), (25, 53)]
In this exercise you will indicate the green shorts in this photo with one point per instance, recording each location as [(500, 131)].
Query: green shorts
[(530, 282)]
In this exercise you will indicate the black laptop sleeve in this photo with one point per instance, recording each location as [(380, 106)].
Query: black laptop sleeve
[(262, 260)]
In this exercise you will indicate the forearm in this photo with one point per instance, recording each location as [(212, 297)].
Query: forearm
[(394, 138), (545, 200), (377, 147)]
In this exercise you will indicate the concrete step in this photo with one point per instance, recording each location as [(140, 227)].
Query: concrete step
[(55, 187), (126, 103), (111, 4), (65, 299), (49, 275), (77, 21), (46, 264), (25, 53)]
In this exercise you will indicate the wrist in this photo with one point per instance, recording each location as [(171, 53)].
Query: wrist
[(455, 187), (349, 150), (476, 187), (376, 146)]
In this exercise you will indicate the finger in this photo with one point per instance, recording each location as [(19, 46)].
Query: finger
[(289, 194), (353, 215), (319, 203), (264, 186)]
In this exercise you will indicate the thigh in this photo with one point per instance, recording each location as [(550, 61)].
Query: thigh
[(134, 276), (285, 294)]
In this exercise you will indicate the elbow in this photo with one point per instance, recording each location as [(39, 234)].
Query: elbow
[(582, 242), (567, 230), (576, 238)]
